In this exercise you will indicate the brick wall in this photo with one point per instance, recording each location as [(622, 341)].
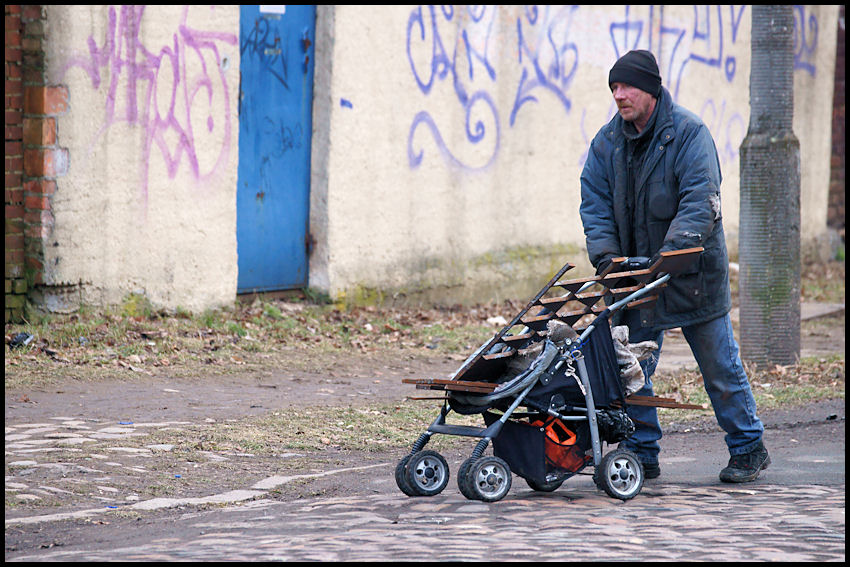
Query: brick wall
[(33, 158), (835, 216), (15, 282)]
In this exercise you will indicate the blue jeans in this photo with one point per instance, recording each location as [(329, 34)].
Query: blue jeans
[(716, 352)]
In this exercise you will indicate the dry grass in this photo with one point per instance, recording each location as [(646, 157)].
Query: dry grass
[(90, 344)]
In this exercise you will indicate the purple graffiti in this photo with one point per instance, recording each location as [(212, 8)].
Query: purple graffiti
[(728, 128), (168, 92), (805, 40), (706, 40), (430, 62), (552, 56)]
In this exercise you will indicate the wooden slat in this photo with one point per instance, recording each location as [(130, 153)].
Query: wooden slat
[(445, 382), (470, 363), (500, 355), (657, 402)]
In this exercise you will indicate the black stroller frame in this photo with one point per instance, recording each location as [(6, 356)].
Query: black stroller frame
[(572, 382)]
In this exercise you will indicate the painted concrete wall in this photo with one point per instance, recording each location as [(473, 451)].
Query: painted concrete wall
[(147, 204), (447, 142), (457, 135)]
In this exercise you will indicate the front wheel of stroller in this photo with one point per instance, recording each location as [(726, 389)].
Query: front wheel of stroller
[(620, 474), (426, 473), (487, 479)]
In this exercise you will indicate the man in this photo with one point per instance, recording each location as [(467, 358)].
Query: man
[(651, 183)]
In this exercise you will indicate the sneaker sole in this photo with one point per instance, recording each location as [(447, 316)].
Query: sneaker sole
[(748, 478)]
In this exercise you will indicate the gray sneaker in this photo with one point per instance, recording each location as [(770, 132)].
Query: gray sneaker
[(746, 467)]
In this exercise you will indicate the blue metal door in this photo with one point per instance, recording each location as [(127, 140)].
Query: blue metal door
[(275, 124)]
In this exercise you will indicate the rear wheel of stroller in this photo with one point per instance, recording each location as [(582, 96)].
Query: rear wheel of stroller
[(487, 479), (426, 473), (463, 482), (620, 474), (400, 479)]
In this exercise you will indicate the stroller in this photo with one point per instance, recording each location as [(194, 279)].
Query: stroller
[(566, 379)]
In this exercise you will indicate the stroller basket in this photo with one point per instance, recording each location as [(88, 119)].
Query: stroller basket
[(541, 449), (556, 360)]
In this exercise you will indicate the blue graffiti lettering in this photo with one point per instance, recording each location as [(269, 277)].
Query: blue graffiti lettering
[(430, 62), (805, 40)]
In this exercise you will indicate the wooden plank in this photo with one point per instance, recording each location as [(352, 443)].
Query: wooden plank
[(657, 402), (676, 261), (454, 388), (443, 382)]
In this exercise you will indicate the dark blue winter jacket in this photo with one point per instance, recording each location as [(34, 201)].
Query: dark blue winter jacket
[(677, 205)]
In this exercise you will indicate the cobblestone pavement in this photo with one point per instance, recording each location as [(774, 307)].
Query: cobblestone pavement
[(666, 522), (67, 500), (793, 512)]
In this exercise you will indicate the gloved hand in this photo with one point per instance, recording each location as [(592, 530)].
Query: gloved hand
[(603, 264), (635, 263)]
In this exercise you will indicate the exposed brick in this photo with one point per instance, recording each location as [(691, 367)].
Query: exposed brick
[(45, 100), (30, 12), (14, 302), (37, 218), (31, 43), (14, 256), (40, 187), (13, 54), (13, 180), (14, 241), (13, 38), (14, 212), (37, 202), (39, 131), (14, 148), (45, 162), (13, 72), (15, 270), (13, 117), (14, 88), (14, 133)]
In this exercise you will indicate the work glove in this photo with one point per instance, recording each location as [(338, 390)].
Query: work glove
[(603, 264), (640, 262), (635, 263)]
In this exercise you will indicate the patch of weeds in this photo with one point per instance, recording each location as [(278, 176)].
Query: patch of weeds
[(812, 379), (373, 428), (236, 329), (271, 311), (136, 306)]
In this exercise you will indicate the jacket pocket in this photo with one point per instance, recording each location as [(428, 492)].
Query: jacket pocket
[(663, 201), (685, 292)]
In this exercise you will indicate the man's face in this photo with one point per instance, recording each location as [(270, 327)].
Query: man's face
[(633, 104)]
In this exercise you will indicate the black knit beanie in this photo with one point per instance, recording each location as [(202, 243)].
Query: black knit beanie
[(638, 69)]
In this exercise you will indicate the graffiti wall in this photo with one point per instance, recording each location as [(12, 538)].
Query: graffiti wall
[(151, 131), (458, 133), (447, 141)]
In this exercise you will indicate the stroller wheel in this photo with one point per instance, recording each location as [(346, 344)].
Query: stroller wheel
[(426, 473), (400, 479), (545, 486), (462, 479), (620, 474), (487, 479)]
